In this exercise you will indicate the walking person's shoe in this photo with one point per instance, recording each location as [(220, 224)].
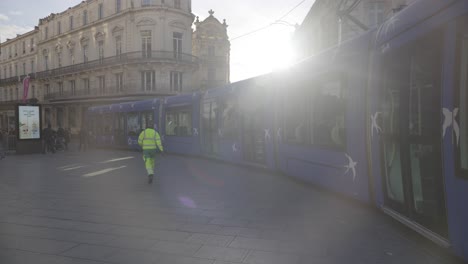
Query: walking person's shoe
[(150, 178)]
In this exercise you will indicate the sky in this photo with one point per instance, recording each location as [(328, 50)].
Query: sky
[(251, 55)]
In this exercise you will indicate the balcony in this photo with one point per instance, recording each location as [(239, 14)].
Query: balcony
[(124, 58), (15, 79), (96, 94)]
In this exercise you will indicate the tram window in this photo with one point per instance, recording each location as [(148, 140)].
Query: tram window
[(229, 124), (133, 124), (327, 126), (147, 117), (463, 110), (294, 117), (179, 122)]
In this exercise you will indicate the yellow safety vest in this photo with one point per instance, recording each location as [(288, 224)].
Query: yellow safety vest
[(150, 139)]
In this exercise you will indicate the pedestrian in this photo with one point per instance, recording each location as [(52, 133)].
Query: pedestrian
[(150, 142), (48, 135), (83, 139)]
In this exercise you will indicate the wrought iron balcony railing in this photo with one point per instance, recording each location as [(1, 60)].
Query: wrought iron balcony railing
[(124, 58)]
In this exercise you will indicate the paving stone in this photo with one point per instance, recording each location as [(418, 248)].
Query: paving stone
[(90, 252), (222, 253), (131, 242), (229, 222), (34, 244), (178, 248), (212, 240), (11, 256), (126, 256), (255, 243), (261, 257), (240, 231)]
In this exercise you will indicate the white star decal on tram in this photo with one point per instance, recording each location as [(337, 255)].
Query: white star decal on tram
[(450, 121), (267, 134), (234, 147), (375, 125), (351, 166), (195, 131)]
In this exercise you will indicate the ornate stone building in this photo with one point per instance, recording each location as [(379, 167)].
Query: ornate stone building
[(103, 51), (212, 47), (330, 22)]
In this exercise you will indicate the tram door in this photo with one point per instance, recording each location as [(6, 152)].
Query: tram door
[(210, 128), (411, 138), (253, 137)]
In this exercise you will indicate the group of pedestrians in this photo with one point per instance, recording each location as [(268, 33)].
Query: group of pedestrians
[(55, 140)]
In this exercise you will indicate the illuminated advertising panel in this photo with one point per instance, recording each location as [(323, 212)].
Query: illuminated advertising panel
[(29, 122)]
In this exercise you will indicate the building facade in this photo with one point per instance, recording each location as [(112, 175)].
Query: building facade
[(212, 47), (330, 22), (101, 52)]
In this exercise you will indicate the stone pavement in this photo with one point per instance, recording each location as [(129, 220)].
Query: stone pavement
[(97, 208)]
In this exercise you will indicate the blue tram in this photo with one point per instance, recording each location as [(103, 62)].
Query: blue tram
[(382, 118)]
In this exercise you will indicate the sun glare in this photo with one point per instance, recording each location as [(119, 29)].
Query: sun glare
[(268, 51)]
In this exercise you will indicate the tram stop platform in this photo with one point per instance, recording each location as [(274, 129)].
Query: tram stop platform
[(96, 207)]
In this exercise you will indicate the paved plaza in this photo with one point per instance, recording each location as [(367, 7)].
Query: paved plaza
[(96, 207)]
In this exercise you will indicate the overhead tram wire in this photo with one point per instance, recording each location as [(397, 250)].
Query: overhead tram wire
[(271, 24)]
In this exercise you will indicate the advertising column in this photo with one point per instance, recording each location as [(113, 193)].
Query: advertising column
[(29, 129)]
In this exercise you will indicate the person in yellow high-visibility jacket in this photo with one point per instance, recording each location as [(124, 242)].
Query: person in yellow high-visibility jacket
[(150, 142)]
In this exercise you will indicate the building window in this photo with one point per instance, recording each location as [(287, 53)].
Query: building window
[(178, 122), (71, 22), (211, 74), (85, 53), (176, 81), (86, 86), (101, 51), (100, 11), (32, 67), (72, 56), (119, 82), (10, 68), (16, 50), (376, 13), (118, 46), (211, 50), (32, 44), (102, 84), (24, 47), (146, 43), (148, 81), (46, 35), (59, 27), (118, 6), (24, 68), (9, 52), (85, 17), (177, 44), (146, 2), (60, 88), (46, 62), (59, 59), (177, 4), (190, 5), (33, 90), (47, 89), (72, 87), (463, 102), (16, 69)]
